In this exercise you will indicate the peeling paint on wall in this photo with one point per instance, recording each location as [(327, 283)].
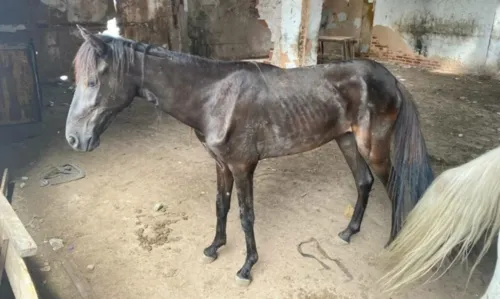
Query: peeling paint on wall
[(391, 39), (270, 11), (291, 12), (295, 40), (314, 18)]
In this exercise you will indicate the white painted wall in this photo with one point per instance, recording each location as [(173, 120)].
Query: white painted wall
[(479, 46), (315, 8), (291, 15), (284, 18)]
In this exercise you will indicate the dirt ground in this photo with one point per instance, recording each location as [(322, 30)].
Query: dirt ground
[(107, 219)]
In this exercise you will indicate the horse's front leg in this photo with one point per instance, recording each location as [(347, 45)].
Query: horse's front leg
[(243, 176), (223, 203)]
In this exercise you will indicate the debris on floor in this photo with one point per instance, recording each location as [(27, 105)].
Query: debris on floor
[(323, 253), (158, 207), (56, 244), (46, 267), (62, 174)]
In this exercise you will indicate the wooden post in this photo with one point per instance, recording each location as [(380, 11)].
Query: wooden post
[(16, 243), (14, 230)]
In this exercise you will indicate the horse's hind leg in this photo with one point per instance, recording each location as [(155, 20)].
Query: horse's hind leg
[(380, 147), (364, 181), (381, 164), (223, 202)]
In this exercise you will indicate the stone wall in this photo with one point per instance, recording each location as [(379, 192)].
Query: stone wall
[(227, 29)]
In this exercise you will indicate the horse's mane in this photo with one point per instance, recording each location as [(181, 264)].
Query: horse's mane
[(123, 55)]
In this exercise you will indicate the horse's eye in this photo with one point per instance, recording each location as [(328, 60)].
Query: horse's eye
[(92, 84)]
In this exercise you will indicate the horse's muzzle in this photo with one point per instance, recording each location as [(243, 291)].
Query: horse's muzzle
[(83, 144)]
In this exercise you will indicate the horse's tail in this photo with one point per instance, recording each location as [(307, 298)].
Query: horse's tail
[(460, 207), (412, 172)]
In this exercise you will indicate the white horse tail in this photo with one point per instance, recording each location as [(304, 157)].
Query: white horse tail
[(458, 209)]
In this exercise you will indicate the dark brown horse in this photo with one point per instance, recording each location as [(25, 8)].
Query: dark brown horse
[(243, 112)]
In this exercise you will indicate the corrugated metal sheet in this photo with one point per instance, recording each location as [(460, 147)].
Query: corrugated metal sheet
[(20, 98)]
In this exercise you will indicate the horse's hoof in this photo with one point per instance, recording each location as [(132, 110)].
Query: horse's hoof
[(242, 282), (207, 259), (344, 237)]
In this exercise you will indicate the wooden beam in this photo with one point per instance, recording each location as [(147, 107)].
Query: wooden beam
[(19, 277), (14, 230)]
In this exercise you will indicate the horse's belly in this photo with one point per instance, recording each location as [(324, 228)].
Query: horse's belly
[(289, 145), (292, 135)]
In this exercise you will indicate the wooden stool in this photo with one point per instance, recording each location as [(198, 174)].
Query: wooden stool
[(346, 41)]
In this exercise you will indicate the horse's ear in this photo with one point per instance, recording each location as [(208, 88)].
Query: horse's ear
[(96, 42)]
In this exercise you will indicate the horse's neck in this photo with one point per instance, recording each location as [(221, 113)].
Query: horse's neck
[(493, 290), (176, 85)]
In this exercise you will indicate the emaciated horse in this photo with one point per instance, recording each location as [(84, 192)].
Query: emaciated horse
[(459, 209), (243, 112)]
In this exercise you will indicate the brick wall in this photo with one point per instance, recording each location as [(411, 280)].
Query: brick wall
[(384, 53)]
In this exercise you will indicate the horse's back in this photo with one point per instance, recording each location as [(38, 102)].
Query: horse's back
[(288, 111)]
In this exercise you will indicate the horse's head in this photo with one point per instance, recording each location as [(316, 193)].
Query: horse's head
[(103, 89)]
